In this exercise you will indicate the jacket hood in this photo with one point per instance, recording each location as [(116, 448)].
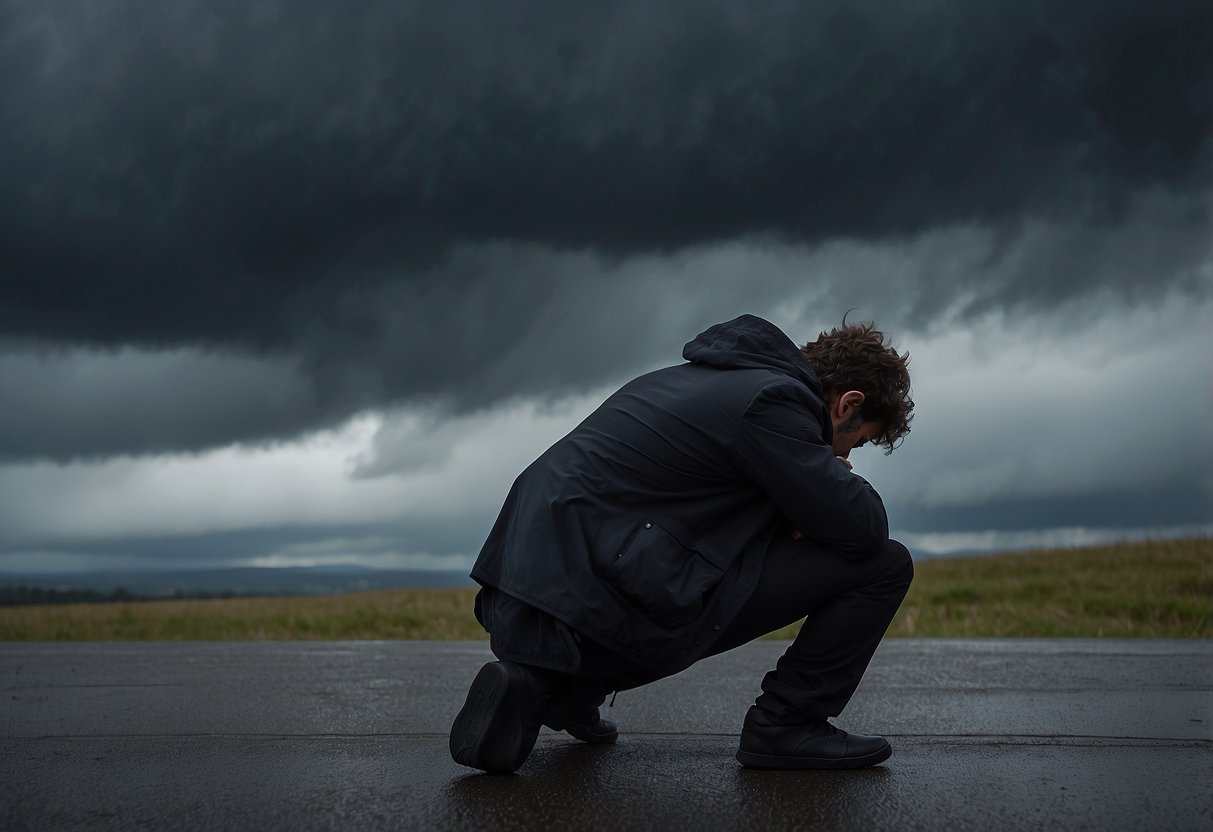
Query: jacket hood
[(750, 342)]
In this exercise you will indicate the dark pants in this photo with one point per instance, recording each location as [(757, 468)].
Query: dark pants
[(847, 606)]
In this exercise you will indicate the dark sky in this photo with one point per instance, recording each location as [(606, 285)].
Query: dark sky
[(229, 229)]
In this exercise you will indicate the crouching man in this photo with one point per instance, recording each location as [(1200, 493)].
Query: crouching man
[(700, 507)]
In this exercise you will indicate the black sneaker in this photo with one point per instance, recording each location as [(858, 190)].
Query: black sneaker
[(582, 722), (767, 744), (496, 729)]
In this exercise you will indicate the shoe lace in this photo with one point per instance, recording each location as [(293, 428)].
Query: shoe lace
[(827, 729)]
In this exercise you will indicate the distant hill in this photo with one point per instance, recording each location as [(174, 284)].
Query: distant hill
[(286, 581)]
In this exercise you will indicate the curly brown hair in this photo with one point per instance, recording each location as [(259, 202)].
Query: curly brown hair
[(856, 357)]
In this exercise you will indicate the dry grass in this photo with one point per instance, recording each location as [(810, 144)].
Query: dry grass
[(387, 614), (1155, 589)]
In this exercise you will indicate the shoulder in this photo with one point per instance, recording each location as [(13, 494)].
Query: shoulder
[(777, 387), (786, 406)]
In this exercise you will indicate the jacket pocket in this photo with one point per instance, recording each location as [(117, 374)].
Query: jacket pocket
[(667, 580)]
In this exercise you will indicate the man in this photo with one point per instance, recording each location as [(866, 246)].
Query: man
[(700, 507)]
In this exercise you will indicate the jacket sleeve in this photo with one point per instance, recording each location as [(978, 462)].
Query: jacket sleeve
[(779, 444)]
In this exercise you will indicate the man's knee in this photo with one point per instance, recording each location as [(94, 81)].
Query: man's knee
[(898, 564)]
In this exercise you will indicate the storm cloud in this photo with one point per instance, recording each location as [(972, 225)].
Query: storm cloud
[(396, 203), (282, 282)]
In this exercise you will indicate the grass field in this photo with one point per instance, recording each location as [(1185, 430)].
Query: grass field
[(1154, 589)]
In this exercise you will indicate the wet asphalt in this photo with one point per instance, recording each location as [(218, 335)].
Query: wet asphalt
[(987, 734)]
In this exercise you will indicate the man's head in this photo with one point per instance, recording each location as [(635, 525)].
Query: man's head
[(866, 384)]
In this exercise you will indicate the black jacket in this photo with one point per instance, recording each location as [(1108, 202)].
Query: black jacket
[(645, 528)]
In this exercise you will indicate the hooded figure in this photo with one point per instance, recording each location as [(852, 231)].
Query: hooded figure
[(697, 508)]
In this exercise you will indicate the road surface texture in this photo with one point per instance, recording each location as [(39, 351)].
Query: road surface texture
[(987, 734)]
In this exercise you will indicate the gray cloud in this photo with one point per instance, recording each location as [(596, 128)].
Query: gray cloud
[(71, 403), (1090, 420), (236, 167), (460, 204), (527, 322), (1172, 505), (1097, 418)]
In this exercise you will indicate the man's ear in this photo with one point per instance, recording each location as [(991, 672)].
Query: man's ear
[(848, 403)]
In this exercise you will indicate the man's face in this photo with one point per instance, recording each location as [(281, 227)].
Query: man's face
[(853, 433)]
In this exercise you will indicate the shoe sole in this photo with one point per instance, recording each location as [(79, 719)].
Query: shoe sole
[(771, 761), (497, 727)]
